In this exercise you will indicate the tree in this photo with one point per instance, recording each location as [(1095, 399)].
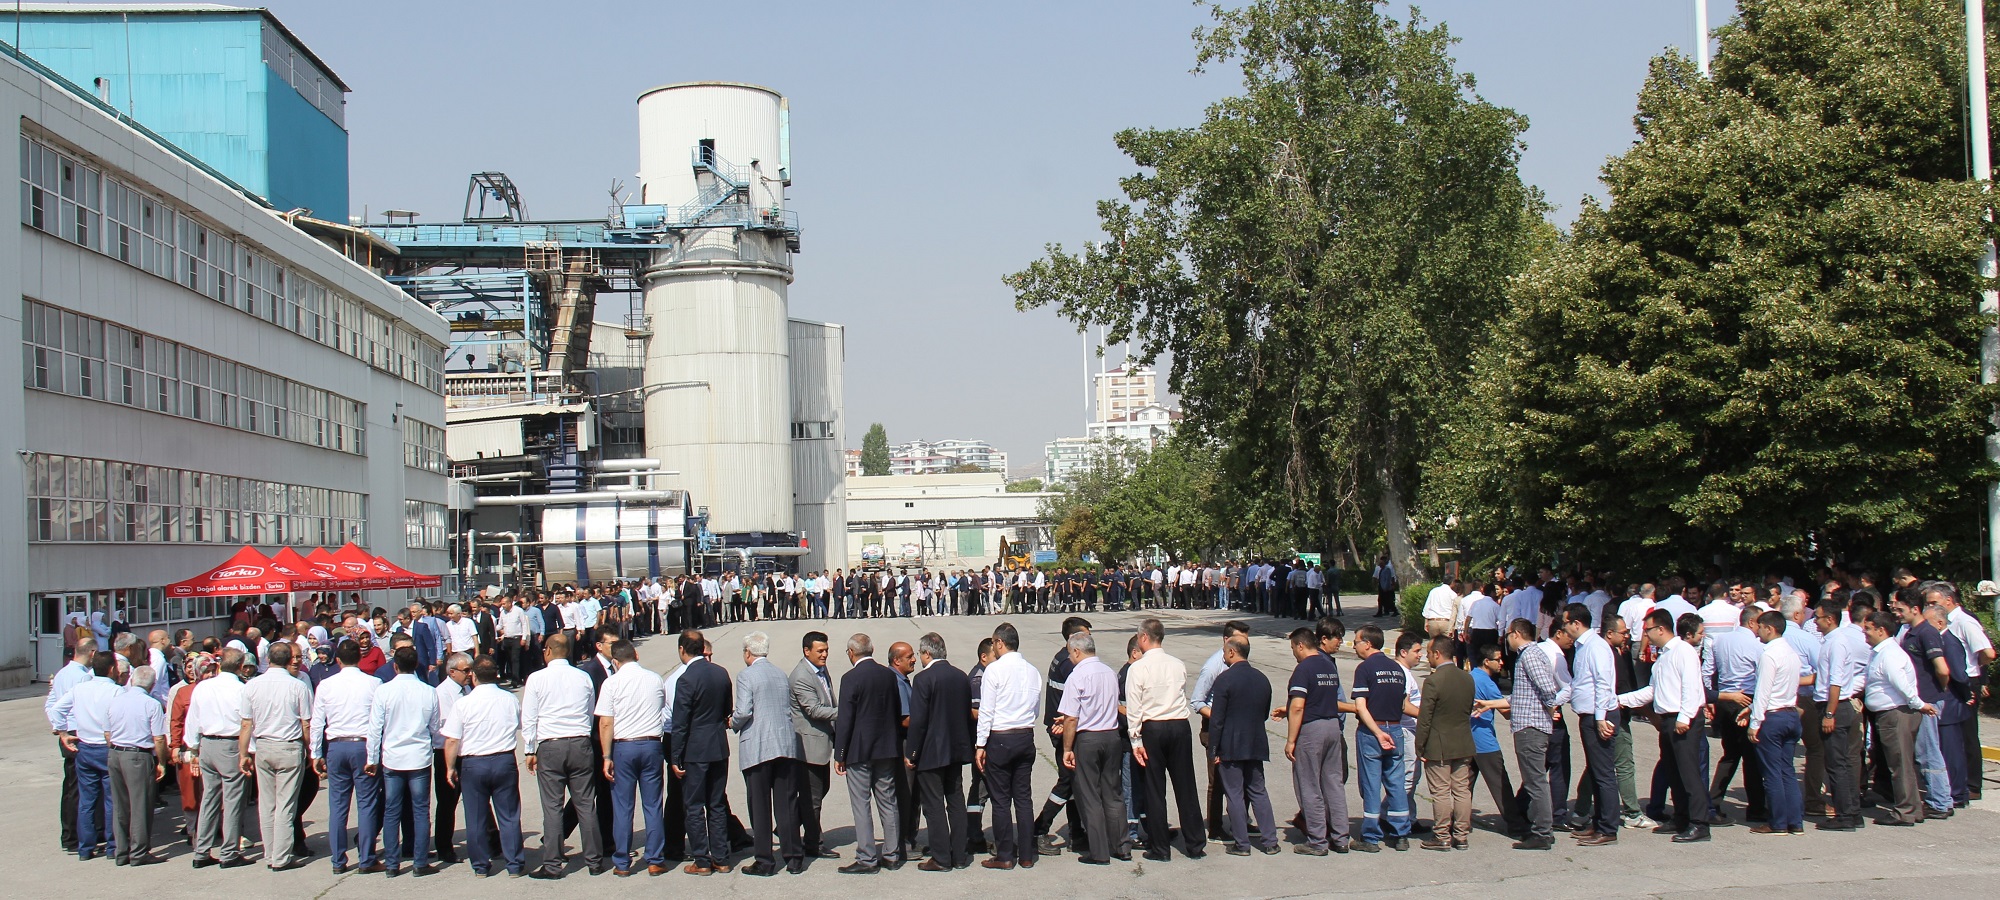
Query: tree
[(1077, 534), (1767, 344), (1170, 501), (1317, 255), (875, 451), (1025, 486), (966, 468)]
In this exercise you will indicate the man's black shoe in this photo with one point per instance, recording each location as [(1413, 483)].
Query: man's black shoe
[(546, 874), (425, 869), (759, 869), (237, 863), (1694, 835), (1159, 856), (796, 866), (859, 868), (1535, 843), (203, 862)]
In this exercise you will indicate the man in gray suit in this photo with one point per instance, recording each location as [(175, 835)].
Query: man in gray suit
[(813, 714), (769, 751)]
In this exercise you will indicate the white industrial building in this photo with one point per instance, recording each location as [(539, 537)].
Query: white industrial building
[(197, 373), (941, 521)]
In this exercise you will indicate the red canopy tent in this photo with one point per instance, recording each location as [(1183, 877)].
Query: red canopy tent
[(305, 574), (247, 572), (356, 568), (404, 578)]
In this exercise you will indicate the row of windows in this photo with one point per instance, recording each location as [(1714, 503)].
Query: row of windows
[(423, 525), (423, 447), (72, 498), (82, 356), (79, 203)]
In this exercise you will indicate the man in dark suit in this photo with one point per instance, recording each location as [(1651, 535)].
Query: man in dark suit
[(866, 753), (701, 756), (1239, 745), (598, 667), (489, 630), (940, 746), (813, 714), (425, 640)]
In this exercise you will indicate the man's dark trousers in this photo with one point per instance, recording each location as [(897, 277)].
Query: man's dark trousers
[(703, 791), (1600, 771), (1843, 771), (773, 788), (1169, 745), (1685, 783), (813, 783), (1062, 797), (491, 786), (69, 800), (1010, 766), (1737, 751), (638, 764), (941, 789), (1100, 789)]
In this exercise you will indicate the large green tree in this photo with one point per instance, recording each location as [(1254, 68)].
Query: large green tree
[(1767, 344), (875, 450), (1317, 255)]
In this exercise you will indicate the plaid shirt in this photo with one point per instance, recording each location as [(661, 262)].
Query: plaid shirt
[(1535, 692)]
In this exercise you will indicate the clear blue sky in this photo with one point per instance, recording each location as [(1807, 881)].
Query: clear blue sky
[(935, 146)]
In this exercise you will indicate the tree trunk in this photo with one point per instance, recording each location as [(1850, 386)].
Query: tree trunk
[(1401, 554)]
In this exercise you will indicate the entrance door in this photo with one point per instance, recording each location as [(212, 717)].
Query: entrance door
[(49, 612)]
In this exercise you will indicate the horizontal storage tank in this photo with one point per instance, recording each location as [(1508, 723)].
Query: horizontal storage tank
[(600, 542)]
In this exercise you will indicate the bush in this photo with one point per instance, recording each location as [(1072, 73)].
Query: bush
[(1411, 603)]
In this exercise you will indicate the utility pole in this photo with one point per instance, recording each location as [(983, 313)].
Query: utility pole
[(1701, 36), (1989, 298)]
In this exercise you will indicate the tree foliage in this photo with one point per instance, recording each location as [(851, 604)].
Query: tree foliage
[(1767, 343), (875, 451), (1317, 255), (1025, 486)]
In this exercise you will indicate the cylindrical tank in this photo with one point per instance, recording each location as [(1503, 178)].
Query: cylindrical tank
[(716, 300)]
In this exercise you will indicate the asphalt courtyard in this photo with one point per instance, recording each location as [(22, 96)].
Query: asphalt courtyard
[(1952, 856)]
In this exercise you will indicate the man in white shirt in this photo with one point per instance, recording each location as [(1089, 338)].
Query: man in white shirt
[(1156, 714), (402, 723), (214, 730), (341, 710), (480, 734), (82, 718), (1479, 626), (277, 714), (1677, 697), (512, 624), (1721, 615), (455, 679), (632, 716), (1894, 706), (1634, 611), (1009, 698), (1441, 609), (1775, 726), (558, 734), (462, 633)]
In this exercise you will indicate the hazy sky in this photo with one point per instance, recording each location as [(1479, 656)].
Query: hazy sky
[(935, 146)]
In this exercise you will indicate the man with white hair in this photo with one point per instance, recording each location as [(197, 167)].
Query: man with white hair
[(768, 751), (277, 716), (137, 759), (462, 634)]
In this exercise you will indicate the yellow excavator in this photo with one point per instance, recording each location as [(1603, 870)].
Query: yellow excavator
[(1014, 554)]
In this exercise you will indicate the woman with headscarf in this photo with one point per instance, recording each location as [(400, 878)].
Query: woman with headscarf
[(198, 667)]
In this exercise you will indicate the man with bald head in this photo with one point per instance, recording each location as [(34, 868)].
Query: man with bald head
[(903, 659), (867, 750)]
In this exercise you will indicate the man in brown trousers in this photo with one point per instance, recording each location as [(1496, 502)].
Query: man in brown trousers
[(1444, 742)]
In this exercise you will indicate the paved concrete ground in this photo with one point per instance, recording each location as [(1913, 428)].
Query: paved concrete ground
[(1953, 856)]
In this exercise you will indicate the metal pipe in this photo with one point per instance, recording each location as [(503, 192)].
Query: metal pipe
[(1701, 36), (571, 499), (620, 465)]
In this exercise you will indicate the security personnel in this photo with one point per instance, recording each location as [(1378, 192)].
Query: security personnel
[(1062, 797)]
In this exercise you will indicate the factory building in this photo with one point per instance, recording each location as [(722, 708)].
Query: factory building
[(198, 370)]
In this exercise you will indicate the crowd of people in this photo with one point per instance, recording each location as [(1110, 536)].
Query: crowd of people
[(1874, 689)]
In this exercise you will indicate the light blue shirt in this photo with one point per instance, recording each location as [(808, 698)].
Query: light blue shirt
[(1593, 686), (1843, 660), (1806, 645), (136, 719), (1204, 683), (1736, 652), (670, 684), (403, 723), (66, 679), (535, 623), (86, 709)]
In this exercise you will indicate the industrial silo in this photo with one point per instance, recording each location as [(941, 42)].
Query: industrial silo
[(713, 165)]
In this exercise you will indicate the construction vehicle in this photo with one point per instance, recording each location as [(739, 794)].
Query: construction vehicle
[(1014, 554)]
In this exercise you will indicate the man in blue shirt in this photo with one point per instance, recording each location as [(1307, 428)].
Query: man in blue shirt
[(1381, 690), (82, 718), (69, 676), (1736, 651), (1487, 762)]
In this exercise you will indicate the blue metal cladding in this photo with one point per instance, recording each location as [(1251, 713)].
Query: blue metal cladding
[(200, 81)]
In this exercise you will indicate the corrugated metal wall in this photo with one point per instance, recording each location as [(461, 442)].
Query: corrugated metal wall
[(819, 474)]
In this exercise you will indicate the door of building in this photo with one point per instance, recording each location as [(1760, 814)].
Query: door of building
[(50, 611)]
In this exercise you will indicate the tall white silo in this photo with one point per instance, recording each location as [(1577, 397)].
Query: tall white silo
[(713, 158)]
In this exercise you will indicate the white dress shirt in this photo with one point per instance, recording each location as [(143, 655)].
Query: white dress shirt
[(1778, 673), (1970, 633), (556, 703), (448, 694), (1676, 689), (484, 722), (1155, 689), (403, 723), (66, 678), (1010, 695), (464, 635), (341, 707), (1892, 680), (277, 706), (1440, 603), (513, 623), (1482, 613), (215, 710), (635, 699)]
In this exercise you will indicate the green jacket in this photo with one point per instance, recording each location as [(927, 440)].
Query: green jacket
[(1444, 721)]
